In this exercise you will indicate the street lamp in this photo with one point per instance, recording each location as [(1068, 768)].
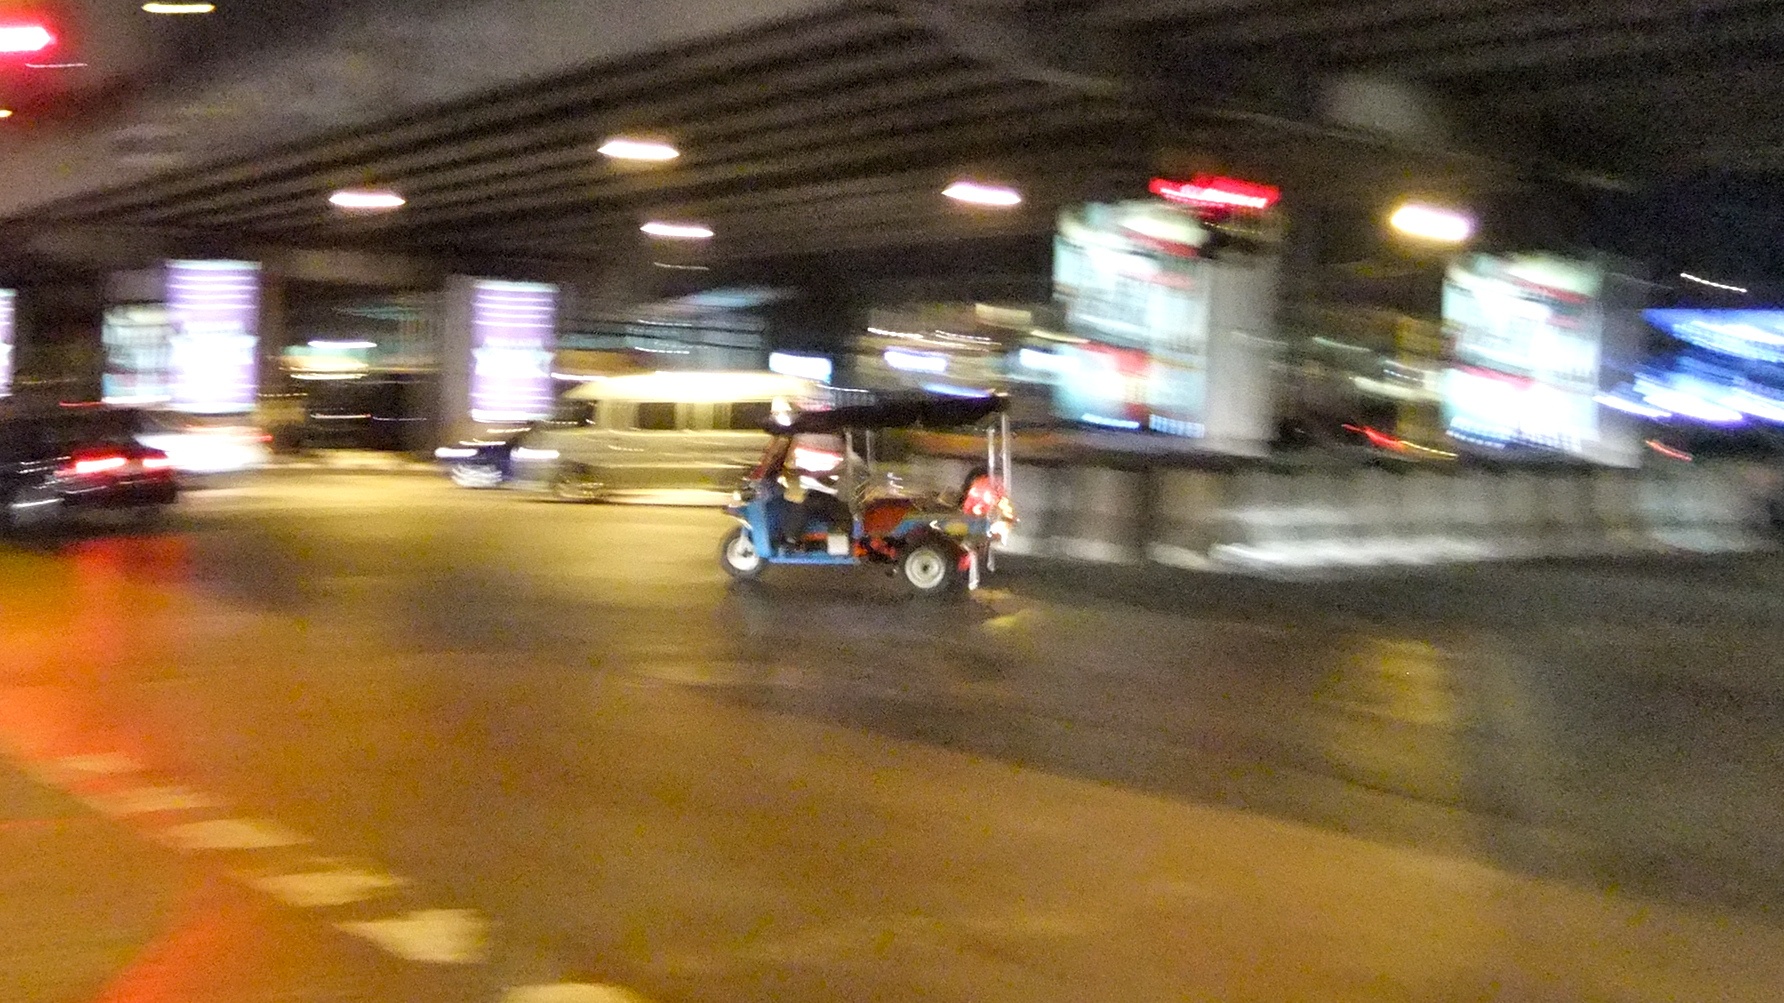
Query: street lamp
[(1428, 222), (366, 200), (976, 193), (678, 231), (621, 148)]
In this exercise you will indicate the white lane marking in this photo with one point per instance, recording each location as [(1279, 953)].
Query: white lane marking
[(433, 936), (335, 885), (572, 992), (103, 763), (231, 834), (142, 800)]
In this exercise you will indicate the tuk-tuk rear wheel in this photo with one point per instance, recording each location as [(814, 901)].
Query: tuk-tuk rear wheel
[(931, 568)]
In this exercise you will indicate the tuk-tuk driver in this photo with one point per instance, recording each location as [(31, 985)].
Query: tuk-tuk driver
[(801, 499)]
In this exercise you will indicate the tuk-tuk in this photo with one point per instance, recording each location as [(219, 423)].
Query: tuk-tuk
[(936, 542)]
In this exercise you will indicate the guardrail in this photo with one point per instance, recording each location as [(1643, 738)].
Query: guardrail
[(1287, 521)]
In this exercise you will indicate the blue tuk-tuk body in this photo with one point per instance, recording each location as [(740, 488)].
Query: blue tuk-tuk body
[(935, 543)]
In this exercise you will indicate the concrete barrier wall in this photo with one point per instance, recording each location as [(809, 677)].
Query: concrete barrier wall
[(1284, 522)]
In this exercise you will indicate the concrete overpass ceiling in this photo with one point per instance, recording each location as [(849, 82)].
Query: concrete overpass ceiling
[(836, 130), (833, 130), (1640, 88)]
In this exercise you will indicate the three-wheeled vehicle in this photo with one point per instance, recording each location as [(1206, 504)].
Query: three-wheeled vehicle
[(937, 543)]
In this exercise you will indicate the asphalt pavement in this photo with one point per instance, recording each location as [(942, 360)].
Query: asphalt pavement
[(428, 743)]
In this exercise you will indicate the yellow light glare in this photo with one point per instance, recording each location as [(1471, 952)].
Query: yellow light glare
[(366, 200), (678, 231), (1431, 223), (179, 8), (5, 112), (620, 148), (974, 193)]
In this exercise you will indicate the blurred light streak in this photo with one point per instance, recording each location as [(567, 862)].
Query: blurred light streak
[(1632, 407), (6, 113), (949, 390), (528, 453), (1692, 406), (179, 8), (916, 362), (366, 200), (682, 268), (1687, 276), (816, 368), (677, 231), (25, 38), (324, 343), (55, 66), (1431, 223), (1047, 362), (1107, 422), (454, 453), (975, 193), (1665, 450), (620, 148)]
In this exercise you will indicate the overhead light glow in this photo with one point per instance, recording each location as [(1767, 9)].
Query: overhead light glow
[(678, 231), (1688, 277), (973, 193), (54, 66), (620, 148), (1206, 190), (5, 112), (916, 362), (25, 38), (179, 8), (367, 200), (325, 343), (1431, 223)]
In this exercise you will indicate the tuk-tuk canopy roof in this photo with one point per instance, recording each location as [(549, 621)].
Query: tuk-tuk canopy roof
[(932, 411)]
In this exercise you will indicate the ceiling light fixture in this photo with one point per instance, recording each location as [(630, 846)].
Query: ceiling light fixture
[(1427, 222), (179, 8), (974, 193), (5, 112), (366, 200), (678, 231), (621, 148)]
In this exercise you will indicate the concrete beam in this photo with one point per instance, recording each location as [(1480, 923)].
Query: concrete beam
[(356, 73)]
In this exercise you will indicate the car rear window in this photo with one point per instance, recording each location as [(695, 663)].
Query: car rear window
[(655, 416), (744, 416)]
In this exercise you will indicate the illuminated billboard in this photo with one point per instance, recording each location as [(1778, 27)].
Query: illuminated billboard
[(8, 313), (138, 354), (1526, 335), (1136, 295), (512, 329), (213, 310)]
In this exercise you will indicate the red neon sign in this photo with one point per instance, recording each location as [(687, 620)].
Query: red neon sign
[(1223, 193)]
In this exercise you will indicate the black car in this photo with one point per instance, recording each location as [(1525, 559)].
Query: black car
[(64, 463)]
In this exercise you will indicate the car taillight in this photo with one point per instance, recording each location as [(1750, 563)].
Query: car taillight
[(89, 465), (157, 462)]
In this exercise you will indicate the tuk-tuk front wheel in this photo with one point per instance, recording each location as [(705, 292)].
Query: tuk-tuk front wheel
[(739, 557), (931, 568)]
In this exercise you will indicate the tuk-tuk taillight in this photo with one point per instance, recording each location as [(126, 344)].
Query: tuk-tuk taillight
[(985, 497)]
